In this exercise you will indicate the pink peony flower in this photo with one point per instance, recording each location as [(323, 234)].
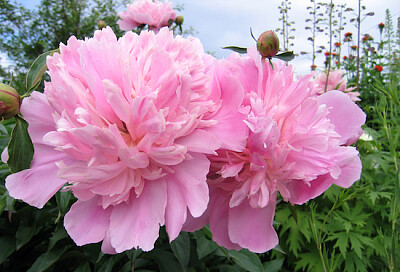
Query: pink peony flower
[(155, 14), (335, 82), (296, 146), (125, 125)]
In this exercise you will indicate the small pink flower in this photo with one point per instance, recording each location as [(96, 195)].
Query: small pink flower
[(336, 81), (155, 14), (296, 146), (126, 124)]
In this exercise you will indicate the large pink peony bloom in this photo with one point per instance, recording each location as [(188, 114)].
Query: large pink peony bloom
[(155, 14), (335, 82), (296, 146), (125, 125)]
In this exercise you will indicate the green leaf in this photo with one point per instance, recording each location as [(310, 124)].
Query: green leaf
[(47, 259), (58, 235), (273, 266), (63, 199), (83, 267), (240, 50), (247, 260), (38, 68), (20, 148), (285, 56), (3, 201), (7, 247), (165, 260), (24, 234), (181, 249), (205, 246)]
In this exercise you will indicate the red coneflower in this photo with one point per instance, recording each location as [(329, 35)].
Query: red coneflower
[(345, 57), (348, 34), (327, 54), (354, 47), (379, 68), (337, 44)]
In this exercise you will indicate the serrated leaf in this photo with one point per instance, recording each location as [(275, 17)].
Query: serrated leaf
[(181, 249), (285, 56), (273, 266), (47, 259), (356, 244), (240, 50), (246, 260), (341, 242), (20, 148), (37, 69)]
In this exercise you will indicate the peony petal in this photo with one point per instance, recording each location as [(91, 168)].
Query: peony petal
[(38, 184), (219, 218), (186, 188), (87, 222), (344, 114), (137, 223), (252, 228), (350, 166)]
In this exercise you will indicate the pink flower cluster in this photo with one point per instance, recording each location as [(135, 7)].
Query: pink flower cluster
[(336, 81), (155, 14), (149, 130)]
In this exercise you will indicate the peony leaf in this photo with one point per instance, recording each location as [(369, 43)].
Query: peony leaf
[(38, 68), (285, 56), (47, 259), (181, 249), (247, 260), (240, 50), (20, 147), (273, 266)]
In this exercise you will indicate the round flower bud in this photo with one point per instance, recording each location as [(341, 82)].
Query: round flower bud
[(10, 101), (101, 24), (179, 19), (268, 44)]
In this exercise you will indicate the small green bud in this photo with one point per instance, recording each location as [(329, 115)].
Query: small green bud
[(268, 44), (179, 20), (10, 101), (101, 24)]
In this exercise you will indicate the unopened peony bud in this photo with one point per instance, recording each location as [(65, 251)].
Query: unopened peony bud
[(101, 24), (9, 101), (268, 44), (179, 19)]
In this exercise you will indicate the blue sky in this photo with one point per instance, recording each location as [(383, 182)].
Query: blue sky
[(227, 22)]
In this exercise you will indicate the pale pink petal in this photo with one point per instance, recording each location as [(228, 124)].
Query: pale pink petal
[(187, 189), (38, 184), (137, 223), (252, 228), (200, 141), (106, 246), (301, 192), (344, 114), (219, 219), (87, 222), (350, 166)]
